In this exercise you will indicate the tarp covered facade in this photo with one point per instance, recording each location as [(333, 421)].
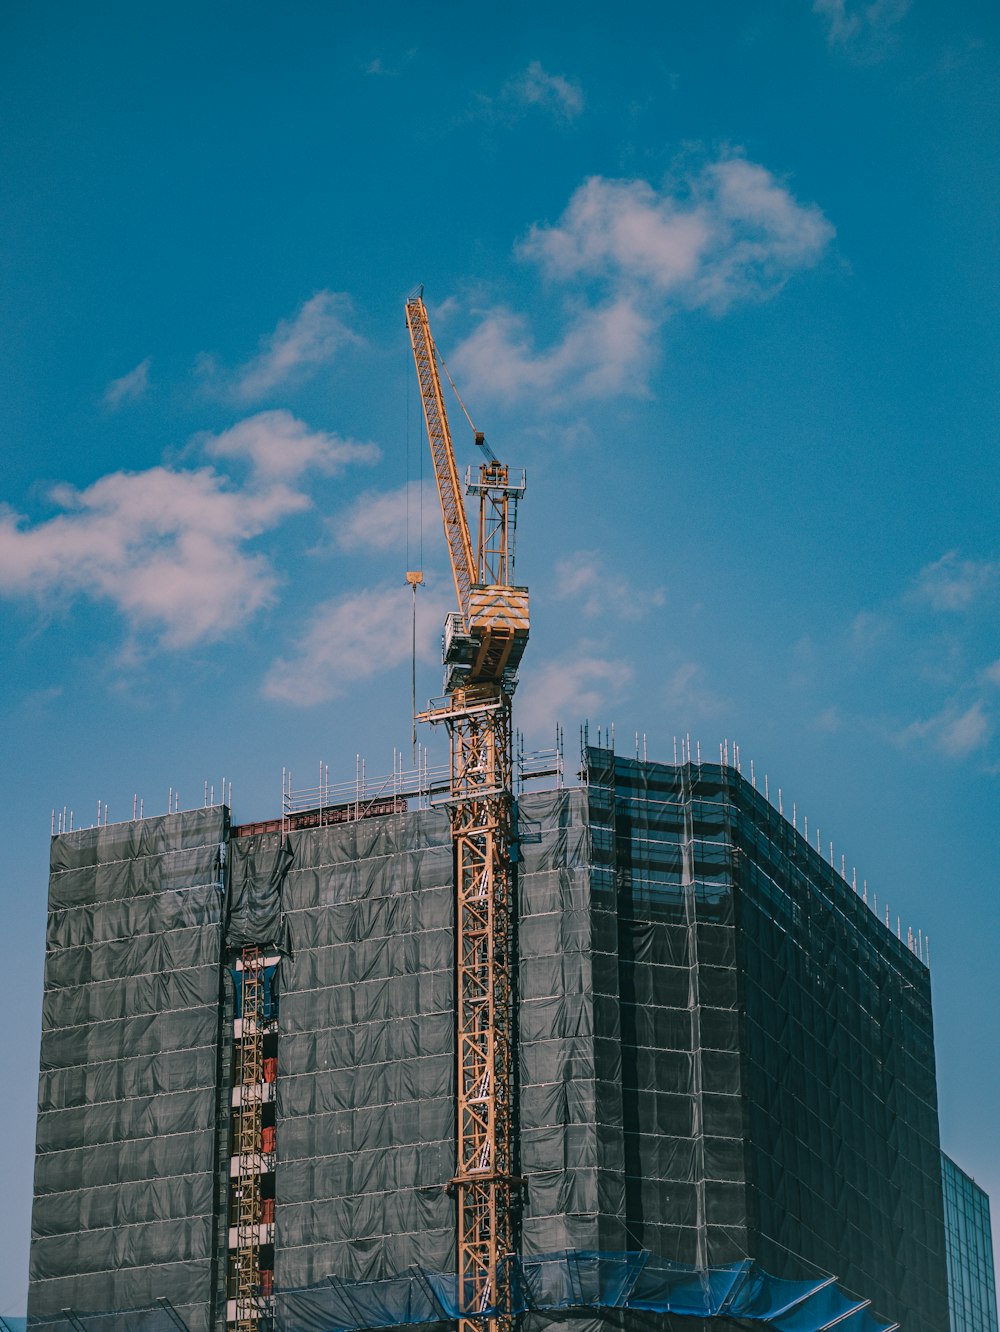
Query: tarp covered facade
[(126, 1152), (812, 1039), (366, 1117), (718, 1044)]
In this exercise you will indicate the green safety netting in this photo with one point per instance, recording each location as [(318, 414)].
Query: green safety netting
[(158, 1317)]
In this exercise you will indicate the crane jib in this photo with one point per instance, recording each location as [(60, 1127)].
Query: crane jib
[(439, 436)]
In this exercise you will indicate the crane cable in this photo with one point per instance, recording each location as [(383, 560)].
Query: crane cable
[(478, 436), (454, 390)]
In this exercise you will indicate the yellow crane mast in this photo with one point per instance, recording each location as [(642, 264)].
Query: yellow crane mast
[(483, 643)]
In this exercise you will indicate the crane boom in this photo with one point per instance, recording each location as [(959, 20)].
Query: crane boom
[(456, 525)]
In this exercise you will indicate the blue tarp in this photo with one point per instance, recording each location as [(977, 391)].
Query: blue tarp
[(269, 989), (577, 1279)]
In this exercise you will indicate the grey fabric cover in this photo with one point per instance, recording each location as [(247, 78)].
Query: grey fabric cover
[(125, 1173)]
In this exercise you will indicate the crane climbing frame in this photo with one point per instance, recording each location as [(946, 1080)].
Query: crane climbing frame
[(484, 642)]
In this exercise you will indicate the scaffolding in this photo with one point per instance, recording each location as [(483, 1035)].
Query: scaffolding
[(419, 787)]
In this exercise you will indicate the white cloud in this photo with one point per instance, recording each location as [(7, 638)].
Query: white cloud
[(582, 576), (829, 721), (164, 546), (621, 226), (927, 652), (606, 350), (377, 67), (352, 638), (535, 87), (956, 732), (626, 256), (130, 388), (571, 689), (953, 584), (869, 630), (280, 447), (313, 337), (687, 695), (860, 28), (168, 547), (732, 231), (378, 519), (968, 731)]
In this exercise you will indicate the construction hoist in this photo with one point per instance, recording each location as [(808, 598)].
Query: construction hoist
[(250, 1081)]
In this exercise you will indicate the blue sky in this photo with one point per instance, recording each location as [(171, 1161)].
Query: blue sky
[(721, 278)]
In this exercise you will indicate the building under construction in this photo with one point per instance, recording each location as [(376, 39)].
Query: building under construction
[(723, 1071), (484, 1047)]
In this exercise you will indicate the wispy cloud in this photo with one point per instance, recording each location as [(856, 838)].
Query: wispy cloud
[(312, 337), (955, 732), (730, 232), (535, 87), (582, 577), (380, 68), (624, 256), (865, 29), (605, 350), (928, 654), (688, 697), (584, 684), (351, 638), (868, 630), (828, 722), (378, 519), (130, 388), (954, 584), (279, 447), (168, 547)]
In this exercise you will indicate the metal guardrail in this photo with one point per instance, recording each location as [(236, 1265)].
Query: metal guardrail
[(423, 783)]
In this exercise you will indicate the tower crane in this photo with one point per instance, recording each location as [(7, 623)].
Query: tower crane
[(484, 640)]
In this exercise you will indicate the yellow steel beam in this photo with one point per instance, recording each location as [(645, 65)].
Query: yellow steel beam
[(456, 525), (493, 562), (481, 787)]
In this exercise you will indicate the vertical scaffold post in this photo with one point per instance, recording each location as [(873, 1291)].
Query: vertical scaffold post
[(250, 1076)]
